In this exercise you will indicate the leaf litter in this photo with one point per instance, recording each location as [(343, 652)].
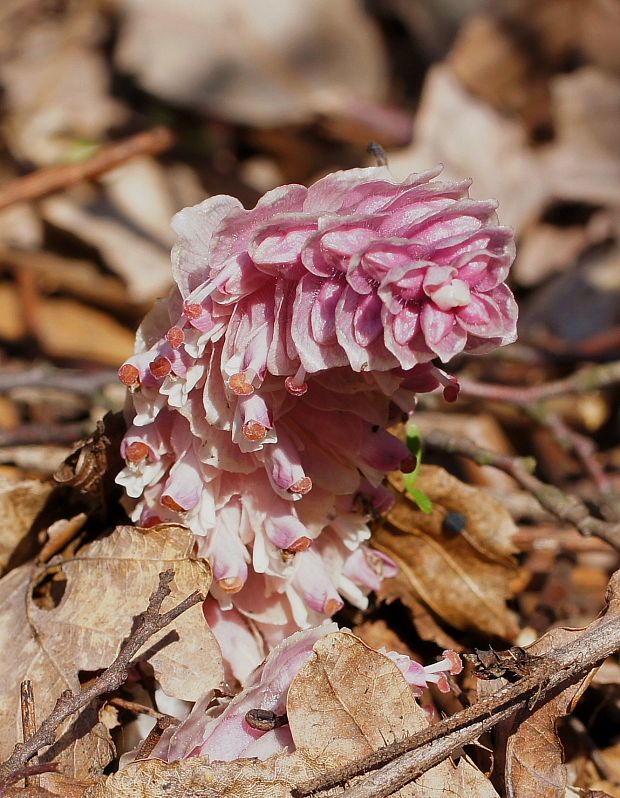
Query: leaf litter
[(524, 101)]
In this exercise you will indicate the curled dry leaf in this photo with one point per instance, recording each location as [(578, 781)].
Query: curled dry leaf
[(20, 503), (345, 702), (107, 584), (464, 576), (54, 80)]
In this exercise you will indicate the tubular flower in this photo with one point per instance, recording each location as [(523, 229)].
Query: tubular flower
[(225, 730), (262, 387)]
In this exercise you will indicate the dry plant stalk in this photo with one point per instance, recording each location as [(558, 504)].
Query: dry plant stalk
[(56, 178)]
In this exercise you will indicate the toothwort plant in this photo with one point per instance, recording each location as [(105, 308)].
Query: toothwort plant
[(263, 385)]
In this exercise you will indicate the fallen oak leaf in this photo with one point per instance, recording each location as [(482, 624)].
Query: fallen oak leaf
[(463, 575), (89, 752), (84, 631), (21, 501)]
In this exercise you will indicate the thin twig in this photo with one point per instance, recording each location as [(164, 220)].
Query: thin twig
[(27, 434), (405, 760), (28, 773), (154, 736), (573, 441), (589, 378), (29, 719), (72, 381), (137, 709), (566, 507), (149, 623), (56, 178), (531, 400)]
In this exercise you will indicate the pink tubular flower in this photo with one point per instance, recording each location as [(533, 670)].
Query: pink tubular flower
[(225, 732), (263, 385)]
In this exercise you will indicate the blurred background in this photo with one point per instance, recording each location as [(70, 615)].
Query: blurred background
[(238, 96)]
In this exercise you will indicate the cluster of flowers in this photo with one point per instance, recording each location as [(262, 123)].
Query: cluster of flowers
[(262, 387)]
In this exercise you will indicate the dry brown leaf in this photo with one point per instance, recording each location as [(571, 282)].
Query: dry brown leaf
[(480, 427), (346, 701), (265, 63), (493, 63), (61, 326), (60, 786), (584, 164), (339, 696), (20, 503), (534, 754), (142, 263), (471, 138), (108, 584), (464, 577), (88, 753), (55, 81)]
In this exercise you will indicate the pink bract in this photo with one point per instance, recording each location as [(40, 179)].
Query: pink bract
[(262, 387)]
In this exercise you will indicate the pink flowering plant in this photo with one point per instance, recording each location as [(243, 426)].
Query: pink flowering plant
[(262, 388)]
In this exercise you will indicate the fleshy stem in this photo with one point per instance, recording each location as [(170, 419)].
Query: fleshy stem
[(149, 622)]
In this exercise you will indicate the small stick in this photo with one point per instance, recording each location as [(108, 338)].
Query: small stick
[(378, 153), (149, 623), (154, 736), (590, 378), (28, 434), (81, 382), (137, 709), (56, 178), (59, 534), (29, 720), (566, 507), (573, 441)]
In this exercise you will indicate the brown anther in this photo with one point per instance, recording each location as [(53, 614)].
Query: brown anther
[(193, 311), (254, 431), (129, 375), (301, 544), (175, 337), (456, 665), (160, 367), (295, 388), (408, 464), (137, 451), (332, 605), (238, 384), (232, 584), (170, 503), (302, 486)]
